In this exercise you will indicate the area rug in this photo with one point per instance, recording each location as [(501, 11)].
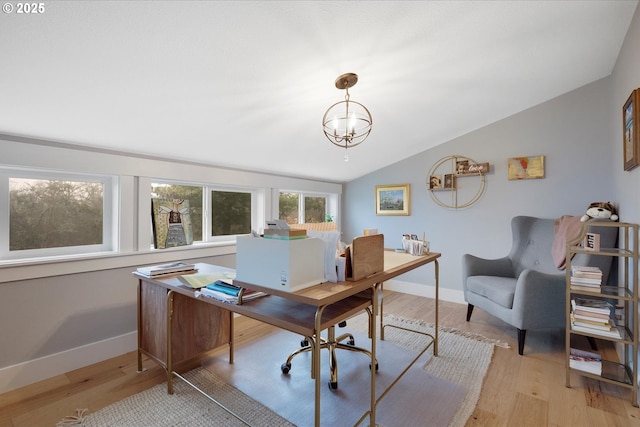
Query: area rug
[(437, 391)]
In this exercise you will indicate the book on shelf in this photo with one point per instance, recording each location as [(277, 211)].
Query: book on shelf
[(591, 305), (600, 325), (227, 292), (169, 268), (585, 281), (585, 361), (586, 270), (610, 333), (586, 288), (595, 317)]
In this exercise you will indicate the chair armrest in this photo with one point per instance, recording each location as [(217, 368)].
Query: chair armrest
[(475, 266), (539, 300)]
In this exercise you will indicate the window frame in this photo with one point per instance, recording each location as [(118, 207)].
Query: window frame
[(257, 212), (110, 218), (331, 203)]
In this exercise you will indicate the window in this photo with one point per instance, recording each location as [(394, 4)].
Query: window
[(216, 213), (288, 207), (313, 208), (230, 213), (52, 214)]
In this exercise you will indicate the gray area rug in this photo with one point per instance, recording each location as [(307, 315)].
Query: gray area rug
[(437, 391)]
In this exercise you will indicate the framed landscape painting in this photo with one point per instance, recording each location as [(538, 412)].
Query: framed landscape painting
[(393, 199)]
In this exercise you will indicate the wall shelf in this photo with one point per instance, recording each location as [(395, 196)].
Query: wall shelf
[(456, 182)]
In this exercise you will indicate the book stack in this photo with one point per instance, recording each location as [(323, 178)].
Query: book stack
[(170, 268), (228, 292), (594, 317), (586, 278), (585, 361)]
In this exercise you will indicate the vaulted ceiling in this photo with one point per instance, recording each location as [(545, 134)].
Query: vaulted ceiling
[(244, 84)]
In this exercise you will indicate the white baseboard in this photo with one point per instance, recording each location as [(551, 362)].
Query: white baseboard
[(29, 372), (428, 291)]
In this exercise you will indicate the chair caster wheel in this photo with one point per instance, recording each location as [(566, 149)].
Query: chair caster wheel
[(376, 366), (351, 342), (332, 385), (304, 343), (285, 367)]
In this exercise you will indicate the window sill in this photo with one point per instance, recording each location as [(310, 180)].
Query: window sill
[(25, 269)]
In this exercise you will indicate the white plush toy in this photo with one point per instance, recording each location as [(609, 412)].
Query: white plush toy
[(602, 210)]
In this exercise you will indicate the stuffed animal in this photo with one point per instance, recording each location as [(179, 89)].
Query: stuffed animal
[(603, 210)]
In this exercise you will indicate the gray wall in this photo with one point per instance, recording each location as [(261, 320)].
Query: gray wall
[(579, 134)]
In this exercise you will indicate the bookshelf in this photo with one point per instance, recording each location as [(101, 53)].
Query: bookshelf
[(620, 296)]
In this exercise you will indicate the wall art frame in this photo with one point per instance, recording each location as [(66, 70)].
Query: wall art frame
[(393, 199), (631, 131), (531, 167)]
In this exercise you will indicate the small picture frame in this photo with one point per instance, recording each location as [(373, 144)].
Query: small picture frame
[(525, 167), (464, 167), (393, 199), (591, 242), (631, 131), (449, 182), (436, 182)]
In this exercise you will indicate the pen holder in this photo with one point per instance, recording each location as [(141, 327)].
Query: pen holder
[(415, 247)]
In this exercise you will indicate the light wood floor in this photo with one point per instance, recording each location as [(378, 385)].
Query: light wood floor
[(518, 390)]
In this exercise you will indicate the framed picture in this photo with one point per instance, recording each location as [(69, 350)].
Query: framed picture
[(631, 131), (591, 242), (171, 222), (449, 181), (435, 182), (526, 167), (393, 199), (464, 167)]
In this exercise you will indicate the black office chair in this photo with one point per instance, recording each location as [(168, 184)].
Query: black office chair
[(332, 343)]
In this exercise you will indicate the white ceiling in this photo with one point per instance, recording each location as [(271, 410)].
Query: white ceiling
[(245, 84)]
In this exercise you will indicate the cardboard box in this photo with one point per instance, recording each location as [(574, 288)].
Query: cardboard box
[(288, 265)]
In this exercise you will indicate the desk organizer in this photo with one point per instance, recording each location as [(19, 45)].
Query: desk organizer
[(365, 257)]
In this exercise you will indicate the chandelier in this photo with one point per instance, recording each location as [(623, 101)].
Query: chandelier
[(347, 123)]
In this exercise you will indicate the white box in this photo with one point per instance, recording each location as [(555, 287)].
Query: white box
[(288, 265)]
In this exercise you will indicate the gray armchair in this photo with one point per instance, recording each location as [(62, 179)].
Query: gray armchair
[(525, 288)]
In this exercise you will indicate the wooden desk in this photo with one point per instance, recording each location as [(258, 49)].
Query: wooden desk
[(174, 325)]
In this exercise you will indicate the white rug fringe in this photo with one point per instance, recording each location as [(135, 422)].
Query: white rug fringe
[(73, 420)]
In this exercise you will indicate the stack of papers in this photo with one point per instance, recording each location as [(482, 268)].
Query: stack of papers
[(228, 292), (170, 268)]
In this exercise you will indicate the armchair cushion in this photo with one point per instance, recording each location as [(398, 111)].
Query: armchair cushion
[(497, 289)]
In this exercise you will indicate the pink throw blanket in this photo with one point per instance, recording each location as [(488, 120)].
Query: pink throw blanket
[(566, 228)]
